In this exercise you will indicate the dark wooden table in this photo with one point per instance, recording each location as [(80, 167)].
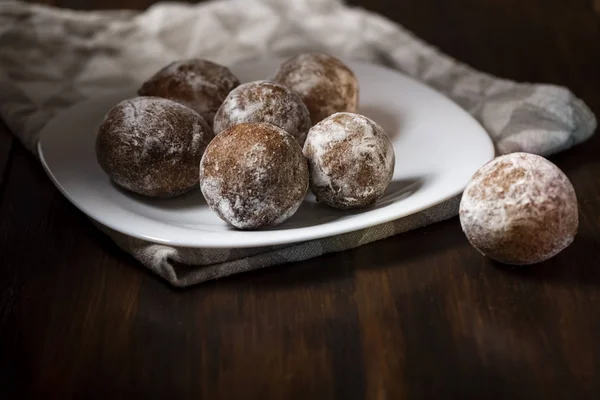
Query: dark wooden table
[(419, 315)]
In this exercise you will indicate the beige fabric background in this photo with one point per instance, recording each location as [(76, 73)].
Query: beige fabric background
[(52, 59)]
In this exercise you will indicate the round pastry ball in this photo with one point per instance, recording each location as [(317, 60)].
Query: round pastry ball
[(152, 146), (199, 84), (324, 83), (264, 101), (351, 160), (254, 175), (519, 209)]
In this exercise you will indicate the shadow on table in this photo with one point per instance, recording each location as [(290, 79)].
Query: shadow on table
[(576, 264), (397, 252)]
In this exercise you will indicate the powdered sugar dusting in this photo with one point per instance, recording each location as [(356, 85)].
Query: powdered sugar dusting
[(140, 125), (351, 160), (519, 209), (199, 84), (323, 83), (304, 72), (254, 175), (264, 101), (149, 145)]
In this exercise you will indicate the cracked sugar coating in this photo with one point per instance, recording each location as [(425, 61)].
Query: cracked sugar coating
[(152, 146), (199, 84), (324, 83), (519, 209), (254, 175), (264, 101), (351, 160)]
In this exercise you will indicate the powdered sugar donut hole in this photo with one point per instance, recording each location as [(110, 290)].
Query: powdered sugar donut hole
[(519, 209), (264, 101), (152, 146), (351, 160), (324, 83), (254, 175), (199, 84)]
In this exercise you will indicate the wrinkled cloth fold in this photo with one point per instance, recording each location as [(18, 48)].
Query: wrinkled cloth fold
[(53, 58)]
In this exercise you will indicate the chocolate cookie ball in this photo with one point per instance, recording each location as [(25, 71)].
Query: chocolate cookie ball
[(264, 101), (351, 160), (199, 84), (152, 146), (324, 83), (519, 209), (254, 175)]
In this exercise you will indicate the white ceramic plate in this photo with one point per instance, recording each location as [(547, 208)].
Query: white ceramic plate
[(438, 148)]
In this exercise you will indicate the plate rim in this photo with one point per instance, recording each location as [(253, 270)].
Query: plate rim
[(272, 238)]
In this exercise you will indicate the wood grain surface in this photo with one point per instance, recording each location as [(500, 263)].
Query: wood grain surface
[(419, 315)]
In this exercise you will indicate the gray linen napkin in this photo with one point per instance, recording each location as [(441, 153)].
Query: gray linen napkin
[(53, 58)]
